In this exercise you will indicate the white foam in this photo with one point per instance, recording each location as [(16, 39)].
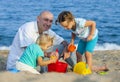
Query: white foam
[(4, 48), (105, 46)]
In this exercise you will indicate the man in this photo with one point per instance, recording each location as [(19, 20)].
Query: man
[(28, 33)]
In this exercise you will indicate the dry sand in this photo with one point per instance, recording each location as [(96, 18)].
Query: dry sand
[(111, 58)]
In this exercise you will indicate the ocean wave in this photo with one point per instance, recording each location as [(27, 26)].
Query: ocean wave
[(101, 47), (4, 48), (107, 46)]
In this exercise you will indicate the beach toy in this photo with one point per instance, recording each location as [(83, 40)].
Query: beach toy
[(71, 48), (53, 56), (82, 68), (102, 73), (60, 67), (14, 70), (56, 50)]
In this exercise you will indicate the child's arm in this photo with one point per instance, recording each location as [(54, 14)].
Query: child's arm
[(69, 48), (92, 26), (73, 38), (47, 54), (42, 62)]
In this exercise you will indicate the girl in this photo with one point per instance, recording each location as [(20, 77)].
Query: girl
[(86, 32), (32, 56)]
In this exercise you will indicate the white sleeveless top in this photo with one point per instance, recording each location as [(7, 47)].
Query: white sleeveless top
[(81, 31)]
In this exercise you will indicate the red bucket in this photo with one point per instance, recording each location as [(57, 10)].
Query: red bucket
[(57, 67)]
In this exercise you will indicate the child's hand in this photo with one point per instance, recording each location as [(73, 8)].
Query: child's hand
[(54, 56), (71, 47), (89, 37), (70, 44), (53, 59)]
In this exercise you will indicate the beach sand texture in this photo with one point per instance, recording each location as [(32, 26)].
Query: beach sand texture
[(110, 57)]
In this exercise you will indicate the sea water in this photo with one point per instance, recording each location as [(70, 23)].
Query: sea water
[(106, 13)]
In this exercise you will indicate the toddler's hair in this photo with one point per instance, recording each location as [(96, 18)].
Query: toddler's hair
[(63, 16), (44, 39)]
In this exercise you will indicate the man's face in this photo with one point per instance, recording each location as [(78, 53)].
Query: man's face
[(45, 21)]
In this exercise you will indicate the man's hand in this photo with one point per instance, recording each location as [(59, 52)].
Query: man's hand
[(66, 55)]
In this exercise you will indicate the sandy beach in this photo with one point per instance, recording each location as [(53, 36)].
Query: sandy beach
[(110, 57)]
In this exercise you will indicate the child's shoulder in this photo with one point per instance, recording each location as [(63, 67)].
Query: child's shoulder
[(79, 19), (33, 45)]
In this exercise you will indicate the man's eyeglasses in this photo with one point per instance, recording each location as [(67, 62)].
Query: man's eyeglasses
[(47, 20)]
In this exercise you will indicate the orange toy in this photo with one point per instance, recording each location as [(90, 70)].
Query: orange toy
[(71, 48)]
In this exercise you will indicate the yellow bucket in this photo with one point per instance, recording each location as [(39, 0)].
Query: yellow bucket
[(82, 68)]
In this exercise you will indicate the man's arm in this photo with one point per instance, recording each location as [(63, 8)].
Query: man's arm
[(64, 43)]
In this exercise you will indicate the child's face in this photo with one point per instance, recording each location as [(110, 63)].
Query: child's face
[(47, 46), (67, 24)]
